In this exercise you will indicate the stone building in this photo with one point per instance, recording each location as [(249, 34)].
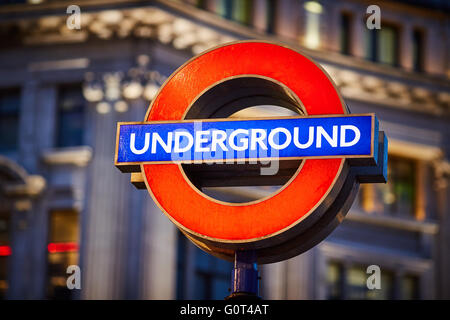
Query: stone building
[(66, 80)]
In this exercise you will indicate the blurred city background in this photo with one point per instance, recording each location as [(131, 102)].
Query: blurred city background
[(63, 89)]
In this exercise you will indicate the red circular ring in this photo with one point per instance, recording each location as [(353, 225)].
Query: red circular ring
[(197, 214)]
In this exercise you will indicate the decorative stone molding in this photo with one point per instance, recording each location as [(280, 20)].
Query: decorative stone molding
[(22, 205), (184, 34), (441, 174), (394, 222), (358, 86), (16, 182), (77, 156), (33, 187), (141, 23), (415, 151)]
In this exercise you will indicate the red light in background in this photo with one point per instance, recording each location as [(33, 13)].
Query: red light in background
[(5, 251), (52, 248), (62, 247)]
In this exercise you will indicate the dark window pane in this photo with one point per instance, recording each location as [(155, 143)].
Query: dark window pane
[(63, 251), (345, 35), (271, 13), (356, 285), (410, 288), (396, 197), (381, 45), (200, 4), (224, 8), (386, 292), (210, 276), (70, 116), (388, 44), (4, 229), (3, 2), (3, 276), (242, 11), (64, 226), (418, 49), (370, 43), (9, 119), (334, 281)]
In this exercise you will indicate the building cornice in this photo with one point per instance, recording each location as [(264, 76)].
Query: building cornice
[(16, 12), (188, 28), (76, 156)]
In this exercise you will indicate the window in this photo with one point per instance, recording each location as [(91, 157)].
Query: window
[(237, 10), (345, 34), (388, 45), (410, 288), (334, 281), (271, 13), (313, 11), (62, 251), (401, 196), (70, 116), (418, 49), (9, 119), (351, 283), (396, 197), (224, 8), (4, 2), (356, 285), (382, 44), (200, 4), (370, 43), (5, 252), (210, 276), (242, 11)]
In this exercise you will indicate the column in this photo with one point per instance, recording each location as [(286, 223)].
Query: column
[(301, 276), (405, 46), (260, 15), (27, 134), (442, 194), (20, 269), (287, 18), (398, 277), (358, 41), (273, 281), (420, 196), (436, 38), (159, 269), (105, 219)]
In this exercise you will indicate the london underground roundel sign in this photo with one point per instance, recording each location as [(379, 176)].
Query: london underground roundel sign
[(187, 124)]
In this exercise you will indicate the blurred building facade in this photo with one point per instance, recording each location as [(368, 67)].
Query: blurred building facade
[(62, 91)]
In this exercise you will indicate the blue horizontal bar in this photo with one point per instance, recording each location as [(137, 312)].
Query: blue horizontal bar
[(352, 136)]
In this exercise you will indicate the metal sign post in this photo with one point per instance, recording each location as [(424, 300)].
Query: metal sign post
[(187, 142), (245, 277)]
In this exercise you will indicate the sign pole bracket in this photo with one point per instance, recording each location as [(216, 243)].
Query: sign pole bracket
[(244, 277)]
